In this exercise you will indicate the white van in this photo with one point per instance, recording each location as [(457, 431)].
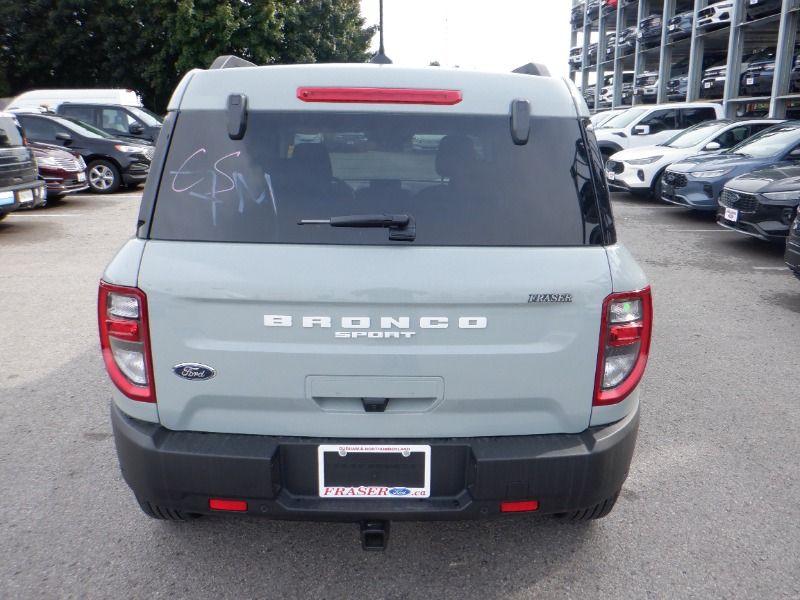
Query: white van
[(51, 99)]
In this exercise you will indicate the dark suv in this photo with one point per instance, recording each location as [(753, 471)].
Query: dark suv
[(115, 119), (111, 162), (19, 180)]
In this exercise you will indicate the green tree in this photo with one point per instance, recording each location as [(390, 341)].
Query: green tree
[(148, 45)]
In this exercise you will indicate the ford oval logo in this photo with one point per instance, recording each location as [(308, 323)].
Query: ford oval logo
[(194, 371), (399, 491)]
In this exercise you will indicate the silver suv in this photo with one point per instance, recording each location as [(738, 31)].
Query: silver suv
[(322, 317)]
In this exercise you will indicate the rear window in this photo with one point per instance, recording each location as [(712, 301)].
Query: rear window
[(461, 178), (10, 134)]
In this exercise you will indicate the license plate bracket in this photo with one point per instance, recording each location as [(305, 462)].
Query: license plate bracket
[(383, 471)]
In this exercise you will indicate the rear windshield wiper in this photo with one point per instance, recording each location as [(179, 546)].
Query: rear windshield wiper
[(401, 227)]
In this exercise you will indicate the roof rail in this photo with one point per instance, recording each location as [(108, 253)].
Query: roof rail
[(229, 61), (533, 69)]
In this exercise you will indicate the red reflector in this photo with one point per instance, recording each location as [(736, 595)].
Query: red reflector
[(123, 330), (229, 505), (379, 95), (623, 335), (523, 506)]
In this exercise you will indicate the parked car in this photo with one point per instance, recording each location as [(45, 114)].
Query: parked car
[(111, 162), (611, 41), (589, 95), (122, 122), (757, 9), (607, 91), (639, 170), (578, 12), (51, 99), (648, 125), (757, 78), (627, 94), (591, 54), (649, 33), (678, 84), (63, 172), (792, 256), (714, 77), (576, 57), (646, 87), (20, 186), (609, 6), (715, 16), (592, 9), (680, 26), (627, 41), (368, 388), (697, 182), (762, 203)]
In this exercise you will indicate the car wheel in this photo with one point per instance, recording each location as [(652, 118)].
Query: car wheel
[(657, 186), (162, 513), (3, 216), (103, 177), (598, 511)]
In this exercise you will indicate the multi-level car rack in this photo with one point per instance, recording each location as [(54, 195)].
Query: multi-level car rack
[(732, 41)]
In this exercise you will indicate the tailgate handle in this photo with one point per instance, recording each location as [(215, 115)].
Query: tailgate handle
[(375, 404)]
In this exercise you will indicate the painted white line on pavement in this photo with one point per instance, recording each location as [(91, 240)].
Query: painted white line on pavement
[(38, 215), (771, 268), (720, 230)]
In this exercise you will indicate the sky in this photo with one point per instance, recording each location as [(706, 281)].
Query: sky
[(496, 35)]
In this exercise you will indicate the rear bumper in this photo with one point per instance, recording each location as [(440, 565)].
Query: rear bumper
[(277, 476), (37, 196)]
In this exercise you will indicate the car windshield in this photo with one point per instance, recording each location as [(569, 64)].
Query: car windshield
[(149, 118), (769, 142), (82, 128), (10, 134), (625, 118), (600, 119), (694, 135)]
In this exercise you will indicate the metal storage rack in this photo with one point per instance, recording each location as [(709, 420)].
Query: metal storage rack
[(732, 42)]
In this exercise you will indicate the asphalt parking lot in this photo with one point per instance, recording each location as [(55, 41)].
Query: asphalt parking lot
[(711, 508)]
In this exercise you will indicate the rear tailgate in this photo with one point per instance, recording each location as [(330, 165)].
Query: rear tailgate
[(498, 365)]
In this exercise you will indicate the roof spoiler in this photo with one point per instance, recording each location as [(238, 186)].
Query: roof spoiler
[(533, 69), (229, 61)]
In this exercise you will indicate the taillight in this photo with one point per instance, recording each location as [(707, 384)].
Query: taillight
[(624, 345), (124, 340)]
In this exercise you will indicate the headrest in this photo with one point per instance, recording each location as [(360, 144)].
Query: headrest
[(456, 154), (313, 159)]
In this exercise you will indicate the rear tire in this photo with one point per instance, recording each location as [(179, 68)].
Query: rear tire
[(598, 511), (162, 513)]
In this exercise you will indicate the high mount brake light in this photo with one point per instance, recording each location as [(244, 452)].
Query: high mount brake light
[(365, 95), (125, 340), (625, 331)]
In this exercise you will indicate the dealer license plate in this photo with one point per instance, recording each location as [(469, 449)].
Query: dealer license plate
[(673, 27), (6, 198), (731, 214), (81, 177), (707, 85), (610, 175), (748, 81), (25, 196), (374, 471)]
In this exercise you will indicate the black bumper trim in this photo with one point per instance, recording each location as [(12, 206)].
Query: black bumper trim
[(277, 475)]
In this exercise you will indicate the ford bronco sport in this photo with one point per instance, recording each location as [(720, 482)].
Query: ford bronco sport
[(306, 328)]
